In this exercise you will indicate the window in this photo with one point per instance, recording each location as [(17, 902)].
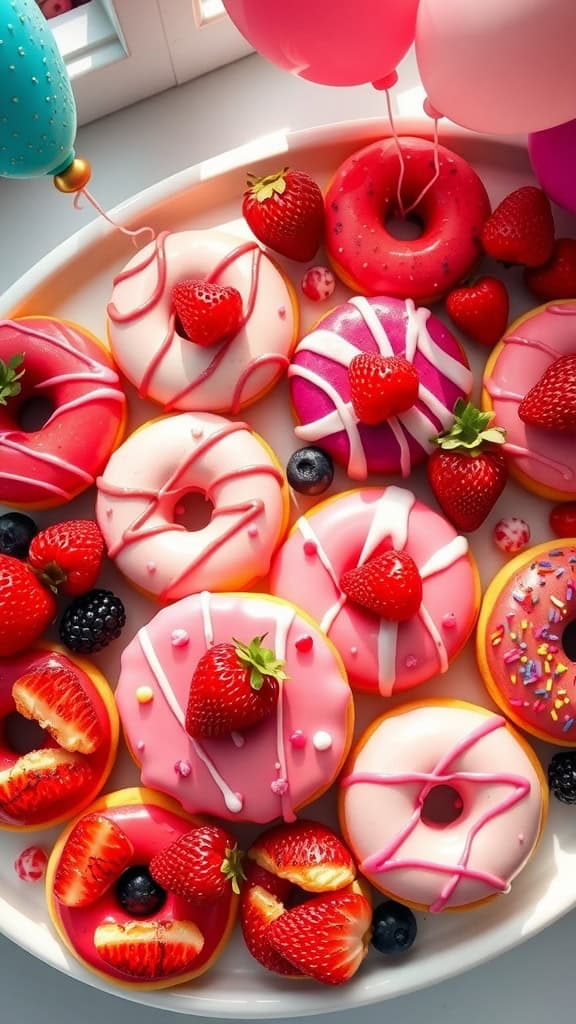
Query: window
[(121, 51)]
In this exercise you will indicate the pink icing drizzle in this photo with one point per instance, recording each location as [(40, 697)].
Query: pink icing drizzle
[(257, 363), (383, 862)]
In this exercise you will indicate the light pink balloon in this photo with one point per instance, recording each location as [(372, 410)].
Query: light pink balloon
[(553, 158), (499, 66), (332, 42)]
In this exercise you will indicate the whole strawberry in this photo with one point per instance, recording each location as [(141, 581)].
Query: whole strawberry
[(199, 865), (68, 556), (26, 607), (389, 585), (521, 228), (234, 687), (563, 519), (557, 278), (207, 312), (480, 309), (286, 212), (467, 474), (551, 403), (381, 386)]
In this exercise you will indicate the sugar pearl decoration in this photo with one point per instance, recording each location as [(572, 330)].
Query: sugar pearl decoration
[(449, 620), (179, 638), (279, 786), (140, 746), (411, 661), (197, 433), (151, 567), (183, 768), (310, 547), (298, 739), (252, 531), (511, 534), (304, 643), (322, 740), (318, 284), (144, 694), (30, 864)]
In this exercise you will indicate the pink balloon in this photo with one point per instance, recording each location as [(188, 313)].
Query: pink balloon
[(332, 42), (499, 66), (553, 159)]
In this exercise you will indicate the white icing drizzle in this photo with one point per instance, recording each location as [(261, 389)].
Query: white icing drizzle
[(390, 519), (430, 625), (231, 800), (444, 557), (206, 618), (303, 525), (328, 344), (284, 622), (387, 647), (357, 466)]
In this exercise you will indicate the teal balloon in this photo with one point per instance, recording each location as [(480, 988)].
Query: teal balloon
[(37, 108)]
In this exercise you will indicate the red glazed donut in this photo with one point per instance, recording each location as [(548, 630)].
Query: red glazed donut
[(363, 194), (160, 946), (72, 702), (67, 365)]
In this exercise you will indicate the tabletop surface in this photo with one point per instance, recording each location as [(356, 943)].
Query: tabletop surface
[(129, 151)]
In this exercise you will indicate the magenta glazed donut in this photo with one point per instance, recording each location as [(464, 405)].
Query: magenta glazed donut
[(363, 194), (321, 393)]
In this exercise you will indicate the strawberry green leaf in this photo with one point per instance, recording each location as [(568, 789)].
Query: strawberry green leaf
[(264, 188), (470, 432), (260, 660), (10, 374), (232, 869)]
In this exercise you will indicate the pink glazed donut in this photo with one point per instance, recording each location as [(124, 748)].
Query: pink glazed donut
[(272, 769), (68, 366), (165, 365), (320, 388), (347, 531), (543, 461), (156, 469), (443, 804), (452, 210)]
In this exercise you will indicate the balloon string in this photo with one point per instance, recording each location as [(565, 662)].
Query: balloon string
[(133, 234), (435, 176), (396, 138)]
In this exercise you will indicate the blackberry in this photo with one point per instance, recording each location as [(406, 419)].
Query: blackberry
[(92, 621), (562, 776)]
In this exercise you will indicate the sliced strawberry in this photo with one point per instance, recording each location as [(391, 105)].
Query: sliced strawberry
[(149, 949), (327, 937), (199, 865), (53, 695), (41, 781), (94, 855), (389, 585), (258, 909), (305, 853), (68, 556), (274, 884), (207, 312), (551, 402), (381, 386)]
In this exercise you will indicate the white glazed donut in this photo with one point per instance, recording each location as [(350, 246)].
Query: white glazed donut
[(169, 368), (439, 861), (160, 464)]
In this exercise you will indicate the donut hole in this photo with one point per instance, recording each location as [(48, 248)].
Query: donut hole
[(34, 413), (193, 511), (404, 228), (22, 735), (569, 640), (442, 806)]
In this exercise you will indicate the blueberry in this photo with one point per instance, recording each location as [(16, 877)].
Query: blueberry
[(310, 471), (16, 533), (138, 893), (394, 928)]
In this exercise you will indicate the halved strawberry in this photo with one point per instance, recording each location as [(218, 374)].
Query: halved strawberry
[(41, 781), (327, 937), (199, 865), (258, 910), (149, 949), (307, 854), (53, 695), (389, 585), (94, 855), (255, 875), (207, 312)]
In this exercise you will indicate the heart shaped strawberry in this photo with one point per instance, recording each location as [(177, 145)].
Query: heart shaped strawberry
[(557, 278), (551, 403), (206, 312), (521, 228), (480, 309), (389, 585), (381, 386)]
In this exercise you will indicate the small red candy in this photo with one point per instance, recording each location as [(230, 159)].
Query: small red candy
[(30, 864), (563, 519), (512, 534), (318, 283), (304, 643)]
